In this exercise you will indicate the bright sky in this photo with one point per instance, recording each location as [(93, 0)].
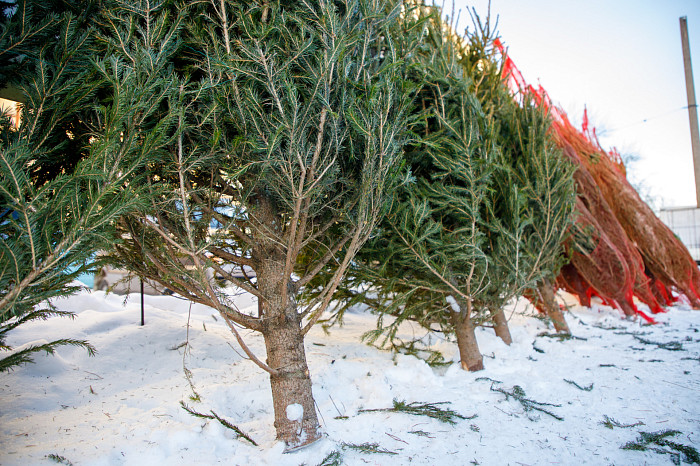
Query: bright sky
[(622, 59)]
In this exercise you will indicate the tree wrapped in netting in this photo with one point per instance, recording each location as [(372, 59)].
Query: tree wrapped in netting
[(620, 249), (601, 251), (665, 258)]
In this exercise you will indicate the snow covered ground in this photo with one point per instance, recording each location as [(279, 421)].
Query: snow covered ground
[(123, 406)]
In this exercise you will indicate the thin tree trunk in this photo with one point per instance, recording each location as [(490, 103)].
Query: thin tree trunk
[(627, 308), (546, 291), (469, 354), (500, 325)]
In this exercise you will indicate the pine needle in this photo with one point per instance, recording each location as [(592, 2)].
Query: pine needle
[(489, 379), (561, 336), (422, 409), (368, 448), (610, 423), (647, 440), (25, 356), (221, 420), (59, 459), (518, 393), (670, 346), (334, 458), (585, 389)]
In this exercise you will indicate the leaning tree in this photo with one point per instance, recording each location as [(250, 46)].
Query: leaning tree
[(426, 262)]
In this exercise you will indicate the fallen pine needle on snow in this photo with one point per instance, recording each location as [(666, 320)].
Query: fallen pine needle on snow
[(134, 414)]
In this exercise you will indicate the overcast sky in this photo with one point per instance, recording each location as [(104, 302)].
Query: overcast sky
[(621, 59)]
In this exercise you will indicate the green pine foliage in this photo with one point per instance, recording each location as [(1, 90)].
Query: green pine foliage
[(518, 394), (221, 420), (286, 122), (417, 408), (368, 447), (430, 245), (334, 458), (532, 204), (217, 139), (54, 217), (530, 208), (611, 423), (659, 442), (276, 131), (488, 205)]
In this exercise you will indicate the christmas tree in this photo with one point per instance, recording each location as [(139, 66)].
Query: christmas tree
[(488, 207), (279, 132), (59, 195)]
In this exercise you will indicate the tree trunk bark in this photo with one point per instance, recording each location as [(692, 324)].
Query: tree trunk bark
[(546, 291), (295, 412), (500, 325), (469, 354)]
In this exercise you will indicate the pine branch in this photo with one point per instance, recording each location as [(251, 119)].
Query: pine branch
[(368, 448), (40, 314), (519, 394), (416, 408), (334, 458), (610, 423), (59, 459), (25, 356), (647, 440), (221, 420), (670, 346), (587, 388)]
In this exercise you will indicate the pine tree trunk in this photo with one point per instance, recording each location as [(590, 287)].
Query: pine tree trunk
[(627, 308), (469, 354), (500, 325), (546, 291), (291, 387), (284, 341)]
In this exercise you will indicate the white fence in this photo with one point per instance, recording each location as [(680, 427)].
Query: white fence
[(685, 223)]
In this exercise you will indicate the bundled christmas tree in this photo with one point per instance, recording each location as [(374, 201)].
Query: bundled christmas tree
[(620, 249), (660, 254)]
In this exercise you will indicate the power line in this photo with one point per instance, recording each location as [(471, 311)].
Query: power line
[(646, 120)]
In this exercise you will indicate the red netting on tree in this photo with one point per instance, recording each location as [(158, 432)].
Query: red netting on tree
[(664, 256), (609, 264), (634, 253), (600, 208), (570, 280)]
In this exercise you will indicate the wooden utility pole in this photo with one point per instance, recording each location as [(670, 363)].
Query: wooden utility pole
[(692, 106)]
